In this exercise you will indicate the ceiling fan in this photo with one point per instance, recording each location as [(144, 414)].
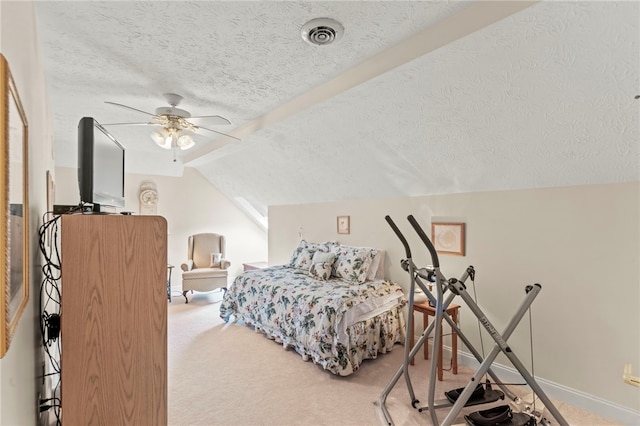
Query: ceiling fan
[(175, 129)]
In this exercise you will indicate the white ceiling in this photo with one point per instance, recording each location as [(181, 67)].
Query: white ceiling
[(417, 98)]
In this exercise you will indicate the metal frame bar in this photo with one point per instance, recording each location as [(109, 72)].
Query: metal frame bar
[(456, 288)]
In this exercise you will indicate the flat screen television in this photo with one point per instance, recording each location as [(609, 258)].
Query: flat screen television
[(100, 166)]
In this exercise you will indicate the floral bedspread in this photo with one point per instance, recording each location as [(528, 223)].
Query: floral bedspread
[(307, 314)]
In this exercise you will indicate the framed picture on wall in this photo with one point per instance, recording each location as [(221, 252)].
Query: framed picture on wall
[(343, 224), (14, 207), (448, 237)]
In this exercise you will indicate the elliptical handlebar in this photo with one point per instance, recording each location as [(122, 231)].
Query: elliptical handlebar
[(400, 236), (425, 240)]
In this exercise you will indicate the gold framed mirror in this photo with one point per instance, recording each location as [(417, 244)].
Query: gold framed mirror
[(14, 207)]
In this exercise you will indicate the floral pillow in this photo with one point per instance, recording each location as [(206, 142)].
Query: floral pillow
[(353, 263), (322, 265), (312, 248), (303, 260), (321, 270)]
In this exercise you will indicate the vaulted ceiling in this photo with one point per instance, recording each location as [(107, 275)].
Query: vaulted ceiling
[(415, 98)]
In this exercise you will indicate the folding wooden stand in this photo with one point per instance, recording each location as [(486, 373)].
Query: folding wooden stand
[(427, 310)]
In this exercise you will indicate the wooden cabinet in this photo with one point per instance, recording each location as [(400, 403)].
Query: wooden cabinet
[(114, 320)]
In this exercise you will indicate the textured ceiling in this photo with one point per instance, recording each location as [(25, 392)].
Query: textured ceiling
[(416, 98)]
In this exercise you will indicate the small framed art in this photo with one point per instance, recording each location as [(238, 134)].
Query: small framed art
[(343, 224), (448, 238)]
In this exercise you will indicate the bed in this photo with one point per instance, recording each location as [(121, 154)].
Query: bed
[(330, 303)]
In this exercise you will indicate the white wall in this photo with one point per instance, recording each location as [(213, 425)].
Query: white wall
[(191, 205), (19, 368), (582, 244)]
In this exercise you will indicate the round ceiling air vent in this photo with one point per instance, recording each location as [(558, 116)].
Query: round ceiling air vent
[(322, 31)]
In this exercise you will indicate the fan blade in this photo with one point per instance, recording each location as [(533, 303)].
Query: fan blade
[(220, 133), (213, 119), (146, 123), (128, 107)]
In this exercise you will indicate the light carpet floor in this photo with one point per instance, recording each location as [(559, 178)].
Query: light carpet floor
[(227, 374)]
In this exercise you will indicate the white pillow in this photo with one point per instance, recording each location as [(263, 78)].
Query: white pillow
[(376, 270), (215, 260), (324, 257)]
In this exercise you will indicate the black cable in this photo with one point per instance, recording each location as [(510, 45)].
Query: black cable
[(475, 299), (47, 404), (50, 307)]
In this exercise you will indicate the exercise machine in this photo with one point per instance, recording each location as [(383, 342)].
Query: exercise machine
[(475, 392)]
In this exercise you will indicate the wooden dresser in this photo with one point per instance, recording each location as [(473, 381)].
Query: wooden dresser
[(114, 320)]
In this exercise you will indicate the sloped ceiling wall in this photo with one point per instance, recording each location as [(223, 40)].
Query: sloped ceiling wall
[(543, 97)]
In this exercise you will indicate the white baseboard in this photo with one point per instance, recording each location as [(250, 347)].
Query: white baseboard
[(584, 401)]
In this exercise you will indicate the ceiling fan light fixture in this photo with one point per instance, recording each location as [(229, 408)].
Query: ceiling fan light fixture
[(174, 128), (185, 142), (162, 138)]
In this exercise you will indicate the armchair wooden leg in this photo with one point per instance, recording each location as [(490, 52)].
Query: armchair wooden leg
[(184, 293)]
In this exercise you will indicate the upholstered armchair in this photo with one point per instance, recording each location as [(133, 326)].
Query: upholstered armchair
[(206, 266)]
